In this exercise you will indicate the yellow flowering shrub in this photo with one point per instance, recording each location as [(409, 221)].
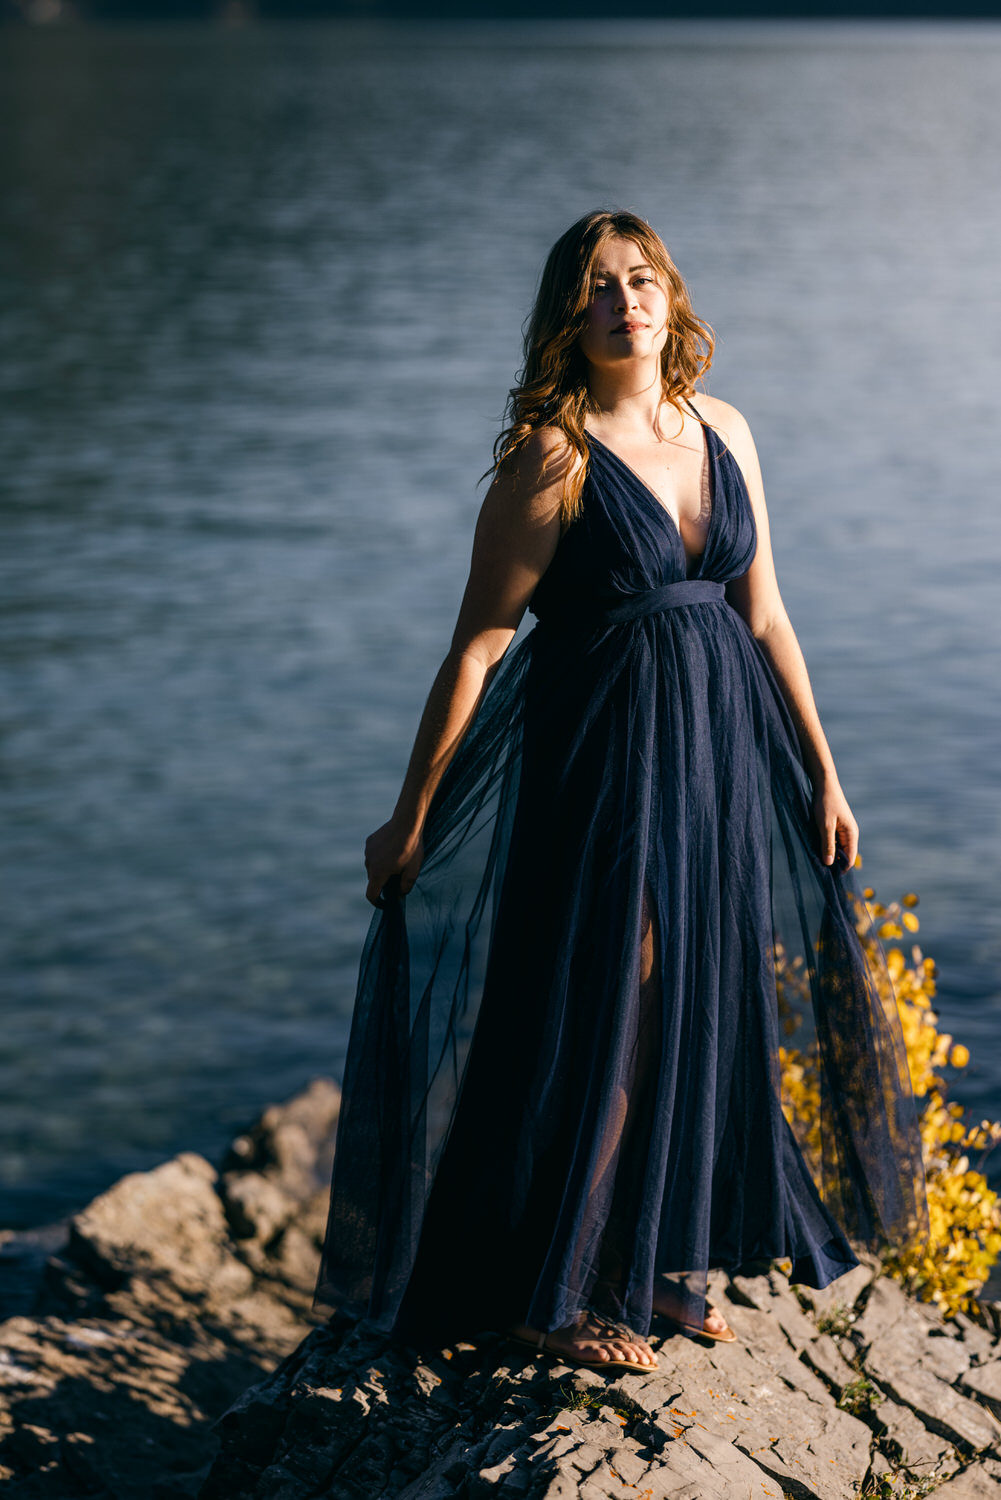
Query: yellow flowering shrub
[(951, 1266)]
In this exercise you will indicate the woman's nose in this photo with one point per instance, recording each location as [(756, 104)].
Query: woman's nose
[(624, 299)]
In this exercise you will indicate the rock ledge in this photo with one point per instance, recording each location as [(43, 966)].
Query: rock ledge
[(160, 1356), (142, 1319), (818, 1401)]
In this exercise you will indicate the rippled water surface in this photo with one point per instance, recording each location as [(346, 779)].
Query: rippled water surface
[(262, 303)]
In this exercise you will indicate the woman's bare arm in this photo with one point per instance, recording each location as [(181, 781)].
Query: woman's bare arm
[(756, 597), (515, 538)]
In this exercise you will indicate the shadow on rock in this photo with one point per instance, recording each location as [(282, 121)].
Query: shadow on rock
[(172, 1291)]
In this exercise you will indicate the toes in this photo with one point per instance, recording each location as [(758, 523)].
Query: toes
[(590, 1349), (638, 1354), (601, 1349)]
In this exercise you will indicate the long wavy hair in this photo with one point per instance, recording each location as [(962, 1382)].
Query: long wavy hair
[(552, 389)]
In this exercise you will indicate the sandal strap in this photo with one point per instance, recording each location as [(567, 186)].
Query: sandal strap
[(622, 1330)]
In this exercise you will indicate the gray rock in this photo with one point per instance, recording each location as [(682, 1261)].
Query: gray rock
[(732, 1428), (979, 1339), (809, 1448), (149, 1321), (938, 1406), (918, 1359), (981, 1481), (183, 1287), (984, 1382), (628, 1465), (842, 1294), (279, 1170), (772, 1294), (823, 1356), (885, 1307), (989, 1311), (166, 1225), (759, 1397), (710, 1470), (732, 1467), (920, 1451)]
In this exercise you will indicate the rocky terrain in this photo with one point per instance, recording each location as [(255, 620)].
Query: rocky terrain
[(873, 1395), (163, 1355), (156, 1307)]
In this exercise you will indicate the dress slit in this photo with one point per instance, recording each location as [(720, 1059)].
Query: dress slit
[(625, 1141)]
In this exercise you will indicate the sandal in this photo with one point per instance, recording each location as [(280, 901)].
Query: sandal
[(604, 1325), (726, 1337)]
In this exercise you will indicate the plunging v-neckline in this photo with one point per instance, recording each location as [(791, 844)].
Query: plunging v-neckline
[(692, 563)]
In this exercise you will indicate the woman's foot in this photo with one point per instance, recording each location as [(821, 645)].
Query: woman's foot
[(590, 1340), (668, 1302)]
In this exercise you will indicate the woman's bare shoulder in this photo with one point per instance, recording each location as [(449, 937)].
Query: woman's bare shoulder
[(535, 473), (727, 420), (544, 447)]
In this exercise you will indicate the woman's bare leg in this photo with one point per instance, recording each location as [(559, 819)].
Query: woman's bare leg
[(669, 1300), (671, 1303), (582, 1339)]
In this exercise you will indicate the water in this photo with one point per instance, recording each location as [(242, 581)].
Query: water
[(263, 296)]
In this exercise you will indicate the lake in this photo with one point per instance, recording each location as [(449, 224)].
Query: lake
[(262, 302)]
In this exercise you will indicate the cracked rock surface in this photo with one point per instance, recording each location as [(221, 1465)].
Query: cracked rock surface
[(820, 1400), (159, 1354)]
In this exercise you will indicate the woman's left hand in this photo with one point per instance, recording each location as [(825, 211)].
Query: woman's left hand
[(838, 828)]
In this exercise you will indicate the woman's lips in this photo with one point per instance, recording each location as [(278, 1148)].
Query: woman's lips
[(630, 327)]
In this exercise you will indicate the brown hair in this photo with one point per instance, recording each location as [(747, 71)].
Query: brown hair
[(552, 384)]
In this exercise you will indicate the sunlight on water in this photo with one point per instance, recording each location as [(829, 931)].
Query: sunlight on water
[(265, 293)]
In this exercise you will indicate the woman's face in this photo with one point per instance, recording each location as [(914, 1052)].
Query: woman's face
[(627, 316)]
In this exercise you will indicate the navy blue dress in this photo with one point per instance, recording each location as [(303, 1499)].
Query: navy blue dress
[(563, 1078)]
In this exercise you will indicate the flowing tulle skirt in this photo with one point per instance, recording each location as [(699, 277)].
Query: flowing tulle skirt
[(568, 1066)]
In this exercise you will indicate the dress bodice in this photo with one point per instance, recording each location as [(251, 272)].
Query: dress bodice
[(625, 541)]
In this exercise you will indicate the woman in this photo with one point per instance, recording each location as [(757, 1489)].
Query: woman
[(563, 1096)]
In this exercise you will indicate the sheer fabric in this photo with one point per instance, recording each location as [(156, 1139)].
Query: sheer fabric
[(563, 1078)]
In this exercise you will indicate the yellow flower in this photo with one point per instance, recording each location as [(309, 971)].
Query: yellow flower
[(952, 1265)]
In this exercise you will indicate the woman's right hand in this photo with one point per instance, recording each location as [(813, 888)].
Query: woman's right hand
[(391, 851)]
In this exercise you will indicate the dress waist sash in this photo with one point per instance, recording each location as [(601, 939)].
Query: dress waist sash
[(670, 596)]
